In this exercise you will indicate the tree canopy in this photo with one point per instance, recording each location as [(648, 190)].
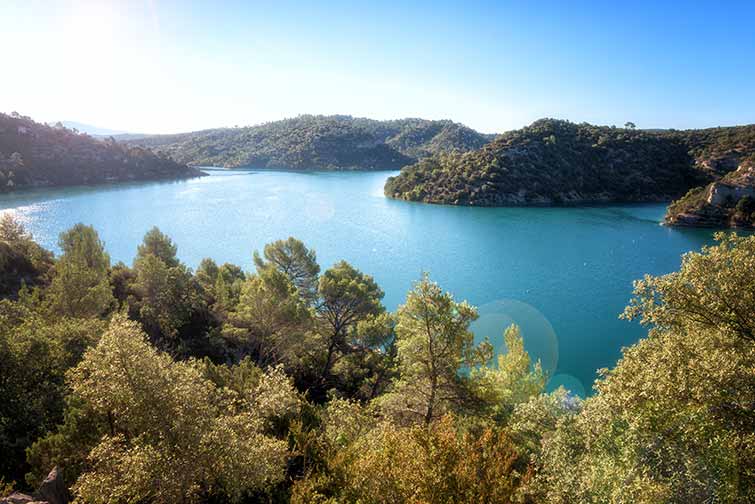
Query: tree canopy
[(155, 383)]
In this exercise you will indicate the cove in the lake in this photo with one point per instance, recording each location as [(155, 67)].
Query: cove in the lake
[(563, 274)]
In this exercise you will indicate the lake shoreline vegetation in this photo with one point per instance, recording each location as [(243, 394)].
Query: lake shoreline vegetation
[(34, 155), (708, 175), (151, 382), (558, 163)]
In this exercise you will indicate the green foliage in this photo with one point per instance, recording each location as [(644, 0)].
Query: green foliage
[(34, 355), (294, 260), (165, 292), (558, 162), (173, 435), (221, 284), (318, 142), (22, 261), (33, 154), (346, 297), (513, 381), (433, 344), (164, 296), (80, 286), (713, 290), (270, 321), (404, 407), (158, 244)]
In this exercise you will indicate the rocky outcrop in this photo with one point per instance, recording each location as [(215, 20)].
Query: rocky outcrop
[(723, 194), (21, 498), (51, 491), (18, 498), (729, 202)]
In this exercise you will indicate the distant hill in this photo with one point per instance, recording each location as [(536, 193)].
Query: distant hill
[(318, 142), (34, 154), (554, 162), (95, 131)]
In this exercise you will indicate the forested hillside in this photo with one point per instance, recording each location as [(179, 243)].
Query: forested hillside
[(558, 162), (34, 154), (154, 383), (312, 142)]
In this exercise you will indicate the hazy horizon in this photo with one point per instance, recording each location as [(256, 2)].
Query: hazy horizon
[(169, 67), (104, 130)]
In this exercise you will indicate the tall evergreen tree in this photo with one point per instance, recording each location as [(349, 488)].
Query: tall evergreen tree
[(434, 342), (80, 287), (292, 258)]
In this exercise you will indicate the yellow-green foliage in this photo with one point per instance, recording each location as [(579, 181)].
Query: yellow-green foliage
[(433, 342), (513, 380), (80, 287), (674, 421), (399, 407), (713, 290), (173, 435), (439, 463)]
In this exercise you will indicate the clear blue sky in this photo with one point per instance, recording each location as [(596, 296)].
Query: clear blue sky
[(164, 66)]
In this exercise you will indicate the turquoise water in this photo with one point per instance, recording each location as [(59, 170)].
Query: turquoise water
[(563, 274)]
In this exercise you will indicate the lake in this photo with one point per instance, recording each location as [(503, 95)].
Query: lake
[(562, 274)]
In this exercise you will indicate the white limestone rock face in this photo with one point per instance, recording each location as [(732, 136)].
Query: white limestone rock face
[(721, 194)]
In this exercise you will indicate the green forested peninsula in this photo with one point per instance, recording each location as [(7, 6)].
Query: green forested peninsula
[(555, 162), (35, 155), (151, 382), (310, 142)]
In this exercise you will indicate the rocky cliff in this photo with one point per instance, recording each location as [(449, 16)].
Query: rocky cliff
[(729, 202)]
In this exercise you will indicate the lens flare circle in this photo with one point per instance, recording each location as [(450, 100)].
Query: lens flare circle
[(540, 339)]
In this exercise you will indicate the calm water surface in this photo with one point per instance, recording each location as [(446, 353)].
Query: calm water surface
[(563, 274)]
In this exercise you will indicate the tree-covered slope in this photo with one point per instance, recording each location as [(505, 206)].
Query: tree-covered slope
[(559, 162), (34, 154), (318, 142)]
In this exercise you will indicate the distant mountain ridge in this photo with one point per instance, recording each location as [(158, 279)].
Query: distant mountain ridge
[(307, 142), (33, 154), (553, 162), (89, 129)]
